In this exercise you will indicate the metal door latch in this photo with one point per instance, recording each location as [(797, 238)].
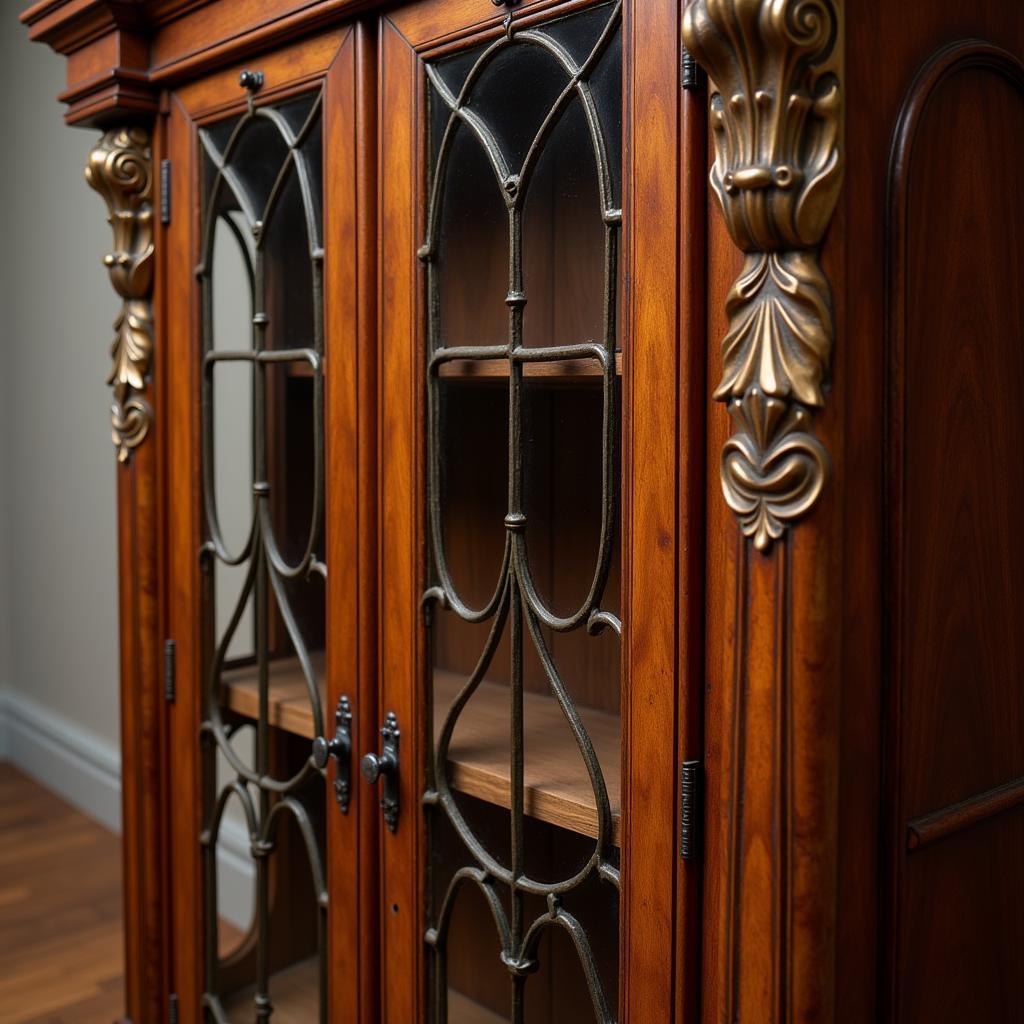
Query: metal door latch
[(373, 767), (340, 748)]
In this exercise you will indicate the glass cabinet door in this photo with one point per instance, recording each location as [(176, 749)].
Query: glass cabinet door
[(515, 792), (268, 703)]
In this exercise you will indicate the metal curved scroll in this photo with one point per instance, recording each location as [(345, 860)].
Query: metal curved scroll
[(269, 791)]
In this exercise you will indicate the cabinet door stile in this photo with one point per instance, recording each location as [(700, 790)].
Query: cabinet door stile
[(400, 927)]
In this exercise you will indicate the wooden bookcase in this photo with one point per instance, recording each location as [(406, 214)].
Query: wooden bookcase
[(651, 546)]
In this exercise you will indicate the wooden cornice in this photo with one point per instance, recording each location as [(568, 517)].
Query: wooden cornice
[(106, 43), (121, 53), (68, 25)]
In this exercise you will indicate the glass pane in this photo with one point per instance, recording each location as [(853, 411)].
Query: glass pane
[(523, 489), (473, 251), (260, 271), (564, 239)]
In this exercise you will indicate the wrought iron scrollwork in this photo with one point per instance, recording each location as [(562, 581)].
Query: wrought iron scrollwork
[(515, 604), (120, 168), (266, 791), (776, 115)]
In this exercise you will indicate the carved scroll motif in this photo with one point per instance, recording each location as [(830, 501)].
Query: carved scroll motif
[(120, 168), (776, 115)]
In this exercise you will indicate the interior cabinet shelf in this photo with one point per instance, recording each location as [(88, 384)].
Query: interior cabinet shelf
[(557, 787), (497, 369), (289, 707), (294, 993)]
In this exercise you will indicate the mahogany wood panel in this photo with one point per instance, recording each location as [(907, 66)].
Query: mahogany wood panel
[(956, 711), (899, 39)]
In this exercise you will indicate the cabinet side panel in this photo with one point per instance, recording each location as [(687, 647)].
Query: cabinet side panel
[(957, 652)]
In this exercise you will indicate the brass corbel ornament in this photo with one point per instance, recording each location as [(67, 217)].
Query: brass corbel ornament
[(121, 169), (776, 114)]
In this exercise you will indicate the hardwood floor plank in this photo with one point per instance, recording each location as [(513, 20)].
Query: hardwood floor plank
[(61, 948)]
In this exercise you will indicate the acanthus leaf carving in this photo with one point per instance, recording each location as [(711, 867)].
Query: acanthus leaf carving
[(776, 117), (120, 168), (773, 467)]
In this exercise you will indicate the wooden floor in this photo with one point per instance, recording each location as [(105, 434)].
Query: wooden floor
[(61, 950)]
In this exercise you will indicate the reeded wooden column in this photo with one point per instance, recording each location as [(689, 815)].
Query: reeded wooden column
[(775, 71)]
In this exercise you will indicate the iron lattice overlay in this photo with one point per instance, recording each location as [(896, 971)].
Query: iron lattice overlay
[(243, 195), (516, 604)]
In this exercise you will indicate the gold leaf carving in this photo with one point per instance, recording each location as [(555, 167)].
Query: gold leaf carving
[(120, 168), (773, 469), (776, 117)]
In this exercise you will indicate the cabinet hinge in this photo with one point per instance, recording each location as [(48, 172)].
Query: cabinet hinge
[(693, 73), (170, 673), (172, 1009), (165, 191), (689, 810)]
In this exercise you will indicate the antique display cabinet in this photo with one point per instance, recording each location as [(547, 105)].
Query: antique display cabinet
[(569, 484)]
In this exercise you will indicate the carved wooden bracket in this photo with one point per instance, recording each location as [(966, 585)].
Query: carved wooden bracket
[(776, 114), (121, 169)]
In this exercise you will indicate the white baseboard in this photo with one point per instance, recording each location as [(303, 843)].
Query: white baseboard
[(85, 771), (77, 765)]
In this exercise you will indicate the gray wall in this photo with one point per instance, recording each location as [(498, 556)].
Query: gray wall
[(58, 583)]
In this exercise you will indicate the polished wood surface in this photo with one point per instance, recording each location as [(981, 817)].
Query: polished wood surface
[(61, 938), (290, 707), (956, 717), (557, 788)]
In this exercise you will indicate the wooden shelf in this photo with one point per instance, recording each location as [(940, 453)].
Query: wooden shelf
[(294, 993), (557, 787), (497, 369), (289, 697)]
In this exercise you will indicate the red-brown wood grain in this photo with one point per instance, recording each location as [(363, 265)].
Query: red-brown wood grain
[(957, 571), (400, 564), (350, 363)]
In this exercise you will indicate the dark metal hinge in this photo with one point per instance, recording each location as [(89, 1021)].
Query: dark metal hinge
[(165, 191), (170, 673), (689, 810), (172, 1009), (693, 73)]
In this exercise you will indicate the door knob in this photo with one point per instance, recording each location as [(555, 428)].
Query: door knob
[(385, 765), (340, 748)]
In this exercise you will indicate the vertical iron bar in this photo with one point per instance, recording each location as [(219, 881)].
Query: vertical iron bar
[(261, 488), (516, 522)]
